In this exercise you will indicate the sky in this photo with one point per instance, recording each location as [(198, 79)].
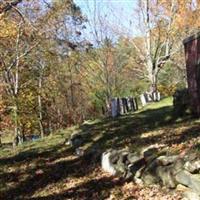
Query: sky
[(117, 14)]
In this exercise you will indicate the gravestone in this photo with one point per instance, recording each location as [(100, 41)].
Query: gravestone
[(125, 105), (120, 106), (131, 100), (143, 99), (135, 103), (192, 56), (148, 97), (129, 103), (156, 96), (114, 107)]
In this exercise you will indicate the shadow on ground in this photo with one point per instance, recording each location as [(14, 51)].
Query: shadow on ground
[(30, 171)]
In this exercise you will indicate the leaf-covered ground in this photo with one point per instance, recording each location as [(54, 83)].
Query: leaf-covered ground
[(47, 169)]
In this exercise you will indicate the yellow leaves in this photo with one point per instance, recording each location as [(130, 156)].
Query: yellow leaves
[(29, 96), (167, 90), (7, 28)]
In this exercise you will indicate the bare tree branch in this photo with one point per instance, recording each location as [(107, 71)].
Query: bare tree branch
[(9, 6)]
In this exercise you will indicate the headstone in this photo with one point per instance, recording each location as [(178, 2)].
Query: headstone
[(156, 96), (125, 105), (121, 107), (135, 103), (148, 97), (143, 99), (114, 110), (131, 104), (118, 107)]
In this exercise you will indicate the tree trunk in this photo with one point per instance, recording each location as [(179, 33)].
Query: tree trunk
[(40, 108), (151, 67), (18, 137), (154, 88)]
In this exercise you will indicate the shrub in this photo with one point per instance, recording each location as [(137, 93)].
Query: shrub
[(167, 90), (181, 102)]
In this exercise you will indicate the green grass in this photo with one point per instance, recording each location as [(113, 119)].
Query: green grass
[(47, 169)]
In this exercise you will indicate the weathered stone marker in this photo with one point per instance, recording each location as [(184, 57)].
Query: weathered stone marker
[(192, 56), (114, 107), (120, 106), (143, 99)]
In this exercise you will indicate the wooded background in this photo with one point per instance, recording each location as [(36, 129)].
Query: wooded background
[(52, 77)]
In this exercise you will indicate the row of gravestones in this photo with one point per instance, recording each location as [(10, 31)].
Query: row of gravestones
[(123, 105), (120, 106), (147, 97)]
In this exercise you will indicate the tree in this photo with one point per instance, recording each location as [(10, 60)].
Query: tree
[(17, 44), (28, 38), (158, 40), (161, 22), (5, 7)]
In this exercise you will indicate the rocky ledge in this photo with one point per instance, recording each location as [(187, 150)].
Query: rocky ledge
[(156, 166)]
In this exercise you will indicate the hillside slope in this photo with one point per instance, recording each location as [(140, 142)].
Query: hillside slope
[(48, 169)]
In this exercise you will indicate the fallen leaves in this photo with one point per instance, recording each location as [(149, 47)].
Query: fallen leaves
[(39, 172)]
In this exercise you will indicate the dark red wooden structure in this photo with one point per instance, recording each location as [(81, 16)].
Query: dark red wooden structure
[(192, 55)]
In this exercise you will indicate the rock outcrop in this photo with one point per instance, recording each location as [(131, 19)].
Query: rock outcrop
[(155, 166)]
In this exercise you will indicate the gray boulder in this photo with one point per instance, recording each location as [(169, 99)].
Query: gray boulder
[(121, 163), (150, 153), (191, 195), (167, 160), (149, 176), (193, 166), (106, 162), (166, 176), (192, 181), (133, 158), (154, 166), (137, 165), (149, 179), (178, 166), (138, 175), (191, 156)]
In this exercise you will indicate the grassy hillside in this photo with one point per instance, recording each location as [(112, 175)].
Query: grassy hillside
[(48, 169)]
